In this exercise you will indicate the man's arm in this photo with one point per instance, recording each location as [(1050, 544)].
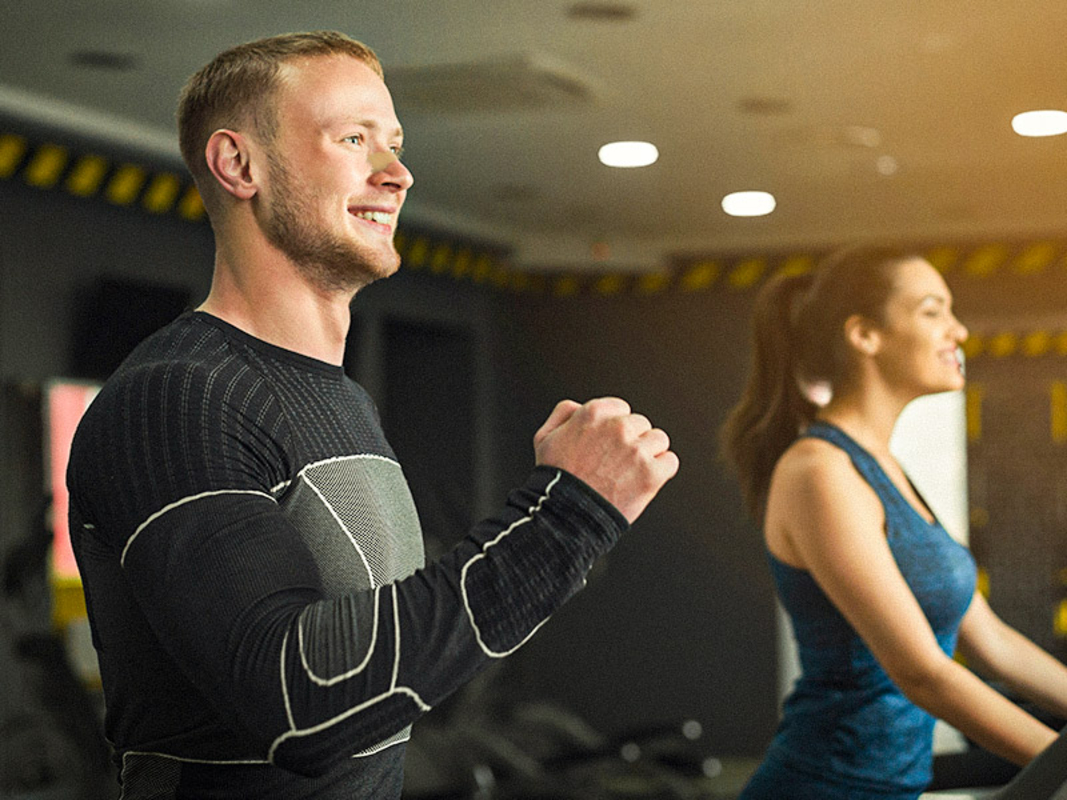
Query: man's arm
[(232, 594)]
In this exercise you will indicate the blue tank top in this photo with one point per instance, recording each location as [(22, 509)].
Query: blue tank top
[(846, 722)]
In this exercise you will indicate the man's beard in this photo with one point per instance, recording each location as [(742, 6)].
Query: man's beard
[(330, 262)]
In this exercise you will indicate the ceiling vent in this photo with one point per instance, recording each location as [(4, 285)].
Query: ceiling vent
[(601, 12), (111, 60), (506, 84)]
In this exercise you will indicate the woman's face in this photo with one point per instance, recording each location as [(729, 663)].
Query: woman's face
[(917, 347)]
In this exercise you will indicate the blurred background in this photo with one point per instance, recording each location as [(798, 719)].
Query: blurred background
[(534, 271)]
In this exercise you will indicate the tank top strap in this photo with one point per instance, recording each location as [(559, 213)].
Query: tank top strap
[(867, 466)]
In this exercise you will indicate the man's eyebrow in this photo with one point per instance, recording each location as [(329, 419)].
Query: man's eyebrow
[(398, 132)]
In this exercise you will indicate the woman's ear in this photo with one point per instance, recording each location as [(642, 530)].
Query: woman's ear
[(862, 334), (228, 157)]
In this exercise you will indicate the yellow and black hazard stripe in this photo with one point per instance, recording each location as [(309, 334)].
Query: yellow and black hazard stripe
[(47, 163)]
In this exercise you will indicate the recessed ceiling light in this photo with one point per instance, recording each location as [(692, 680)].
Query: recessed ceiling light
[(628, 154), (1047, 122), (749, 204), (886, 165)]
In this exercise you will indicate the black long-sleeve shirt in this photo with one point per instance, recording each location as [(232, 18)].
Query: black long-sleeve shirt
[(253, 568)]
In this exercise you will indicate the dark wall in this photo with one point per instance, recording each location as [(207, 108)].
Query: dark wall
[(54, 249), (56, 252), (1017, 448), (678, 621)]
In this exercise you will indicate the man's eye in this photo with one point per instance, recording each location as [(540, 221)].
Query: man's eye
[(355, 138), (397, 150)]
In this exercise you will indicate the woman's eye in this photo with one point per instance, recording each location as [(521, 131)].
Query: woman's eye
[(355, 138)]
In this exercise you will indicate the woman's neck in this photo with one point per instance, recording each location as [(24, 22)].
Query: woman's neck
[(870, 427)]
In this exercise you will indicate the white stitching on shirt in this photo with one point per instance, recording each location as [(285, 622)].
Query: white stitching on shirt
[(285, 686), (356, 457), (186, 760), (396, 649), (182, 502), (355, 670), (294, 732), (340, 523), (463, 575)]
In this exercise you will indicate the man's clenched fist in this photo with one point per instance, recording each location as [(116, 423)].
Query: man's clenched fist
[(618, 453)]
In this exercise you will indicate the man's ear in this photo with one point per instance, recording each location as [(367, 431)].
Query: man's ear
[(862, 334), (229, 158)]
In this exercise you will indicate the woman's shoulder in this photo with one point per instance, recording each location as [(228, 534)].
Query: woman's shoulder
[(811, 459), (814, 474), (816, 495)]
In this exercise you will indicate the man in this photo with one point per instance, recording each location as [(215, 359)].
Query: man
[(251, 555)]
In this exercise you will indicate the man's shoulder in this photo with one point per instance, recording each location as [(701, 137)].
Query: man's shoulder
[(186, 342), (185, 364), (188, 349)]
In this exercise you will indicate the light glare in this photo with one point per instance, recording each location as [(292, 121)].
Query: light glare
[(628, 154), (886, 165), (748, 204), (1046, 122)]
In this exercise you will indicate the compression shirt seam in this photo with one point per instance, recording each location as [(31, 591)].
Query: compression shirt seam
[(396, 640), (351, 457), (178, 503), (340, 523), (372, 456), (216, 492), (285, 686), (295, 732), (381, 747), (320, 681), (531, 511), (187, 760), (370, 751)]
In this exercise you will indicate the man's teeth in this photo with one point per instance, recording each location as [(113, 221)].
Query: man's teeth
[(375, 216)]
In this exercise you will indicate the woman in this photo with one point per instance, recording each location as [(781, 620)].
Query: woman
[(879, 595)]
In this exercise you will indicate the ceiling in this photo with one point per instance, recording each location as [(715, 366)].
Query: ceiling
[(865, 118)]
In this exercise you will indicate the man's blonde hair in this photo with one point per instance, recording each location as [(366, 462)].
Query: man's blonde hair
[(237, 90)]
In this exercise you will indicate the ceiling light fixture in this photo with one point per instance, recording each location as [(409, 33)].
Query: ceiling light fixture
[(886, 165), (1046, 122), (628, 154), (749, 204)]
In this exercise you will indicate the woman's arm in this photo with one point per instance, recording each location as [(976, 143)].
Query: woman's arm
[(828, 520), (999, 652)]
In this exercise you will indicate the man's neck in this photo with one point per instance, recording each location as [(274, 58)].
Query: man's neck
[(275, 303)]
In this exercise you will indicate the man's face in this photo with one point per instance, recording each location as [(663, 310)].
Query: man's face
[(335, 185)]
